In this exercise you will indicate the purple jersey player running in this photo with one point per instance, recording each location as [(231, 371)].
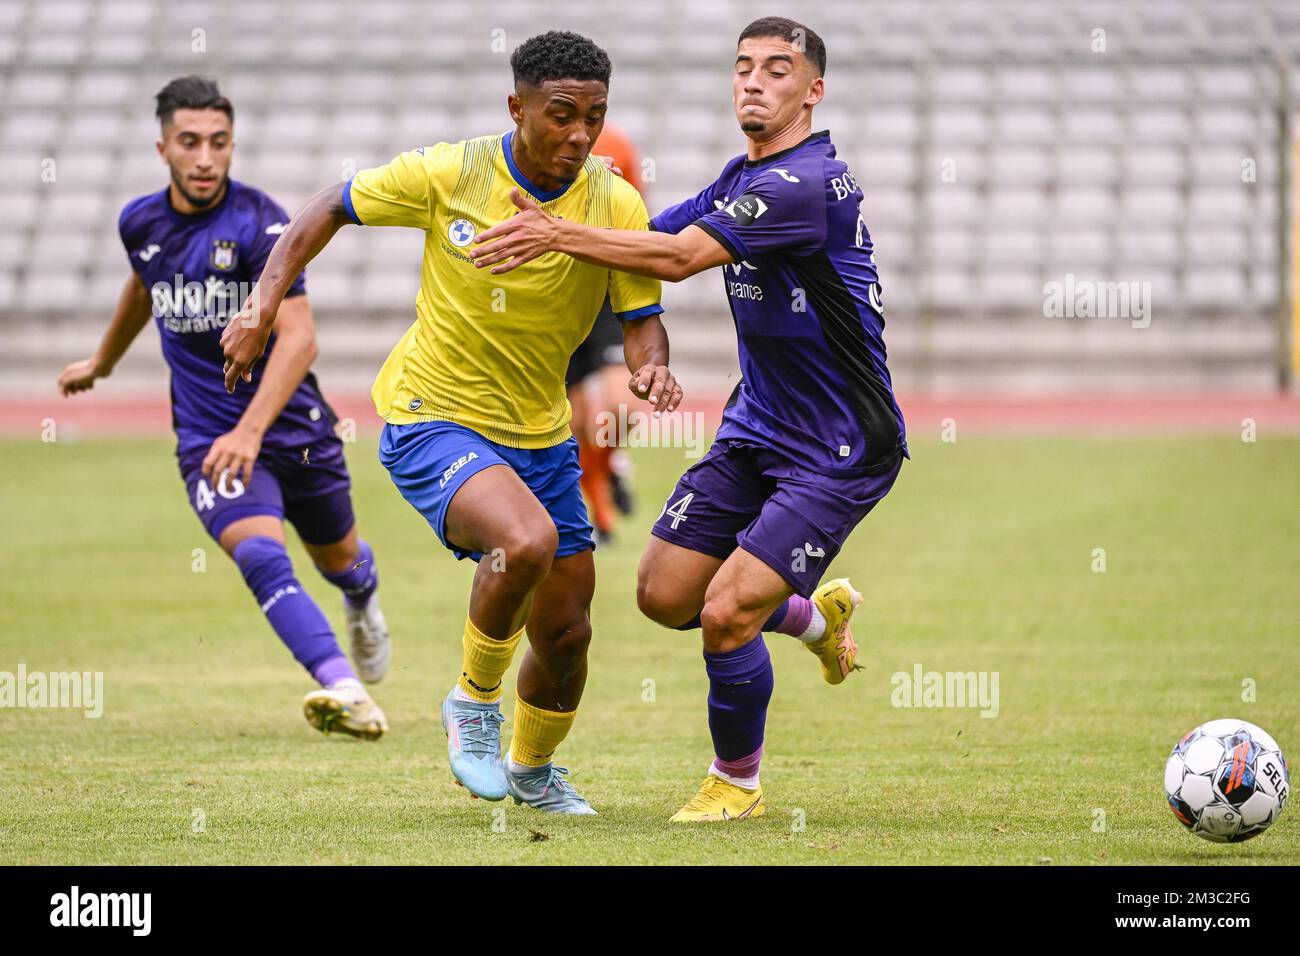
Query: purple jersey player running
[(811, 439), (254, 458)]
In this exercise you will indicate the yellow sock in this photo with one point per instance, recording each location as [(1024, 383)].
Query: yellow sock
[(485, 662), (538, 733)]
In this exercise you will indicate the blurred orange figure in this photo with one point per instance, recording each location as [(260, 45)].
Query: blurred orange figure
[(604, 468)]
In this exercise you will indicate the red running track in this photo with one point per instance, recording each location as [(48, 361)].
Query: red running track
[(104, 414)]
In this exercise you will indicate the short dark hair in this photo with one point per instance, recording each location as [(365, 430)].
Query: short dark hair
[(559, 55), (805, 39), (191, 93)]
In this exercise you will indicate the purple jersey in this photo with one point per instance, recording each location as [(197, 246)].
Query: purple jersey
[(805, 298), (199, 269)]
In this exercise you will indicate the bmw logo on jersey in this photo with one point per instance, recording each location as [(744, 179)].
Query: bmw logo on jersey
[(461, 232)]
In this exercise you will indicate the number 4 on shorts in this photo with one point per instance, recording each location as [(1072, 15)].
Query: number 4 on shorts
[(678, 509)]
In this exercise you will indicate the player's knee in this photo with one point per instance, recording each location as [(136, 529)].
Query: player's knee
[(724, 618), (650, 599), (336, 560), (658, 602), (528, 553)]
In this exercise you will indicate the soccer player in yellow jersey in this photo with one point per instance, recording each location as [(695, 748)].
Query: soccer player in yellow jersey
[(477, 436)]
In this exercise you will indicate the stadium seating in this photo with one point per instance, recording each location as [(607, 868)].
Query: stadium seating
[(997, 149)]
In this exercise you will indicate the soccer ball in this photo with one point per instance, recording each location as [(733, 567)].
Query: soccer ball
[(1227, 781)]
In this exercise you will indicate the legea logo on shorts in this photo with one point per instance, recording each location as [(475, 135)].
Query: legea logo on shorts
[(460, 463)]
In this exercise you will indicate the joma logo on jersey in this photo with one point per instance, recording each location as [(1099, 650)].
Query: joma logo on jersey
[(224, 255), (456, 466)]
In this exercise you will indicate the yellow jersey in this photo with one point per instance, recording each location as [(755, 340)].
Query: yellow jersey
[(487, 351)]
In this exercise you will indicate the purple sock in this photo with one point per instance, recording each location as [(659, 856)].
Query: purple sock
[(740, 686), (746, 768), (292, 613), (359, 581), (791, 617), (690, 625)]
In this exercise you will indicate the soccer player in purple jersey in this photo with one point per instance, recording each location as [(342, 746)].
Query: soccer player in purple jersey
[(252, 458), (811, 439)]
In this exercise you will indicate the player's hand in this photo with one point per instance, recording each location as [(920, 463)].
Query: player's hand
[(657, 385), (609, 164), (521, 239), (233, 453), (80, 376), (244, 340)]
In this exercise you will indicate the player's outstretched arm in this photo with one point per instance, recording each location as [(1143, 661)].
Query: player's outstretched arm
[(657, 255), (132, 313), (295, 349), (645, 348), (308, 233)]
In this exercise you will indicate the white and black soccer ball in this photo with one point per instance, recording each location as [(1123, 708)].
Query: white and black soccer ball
[(1227, 781)]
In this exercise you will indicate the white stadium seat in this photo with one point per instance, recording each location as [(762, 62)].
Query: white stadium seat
[(1064, 158)]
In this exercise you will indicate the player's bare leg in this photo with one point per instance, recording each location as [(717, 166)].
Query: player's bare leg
[(494, 514), (337, 557), (740, 597), (551, 680), (349, 564), (554, 669), (256, 544), (671, 583)]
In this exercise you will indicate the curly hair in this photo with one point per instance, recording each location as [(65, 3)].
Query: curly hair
[(559, 55)]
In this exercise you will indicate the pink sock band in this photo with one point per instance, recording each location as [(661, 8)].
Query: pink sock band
[(743, 768), (798, 616)]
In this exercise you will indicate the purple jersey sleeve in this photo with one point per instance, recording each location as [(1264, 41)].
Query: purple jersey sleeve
[(271, 221), (777, 211), (676, 218)]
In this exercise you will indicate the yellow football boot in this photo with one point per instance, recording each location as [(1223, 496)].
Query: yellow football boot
[(836, 649), (719, 800), (345, 709)]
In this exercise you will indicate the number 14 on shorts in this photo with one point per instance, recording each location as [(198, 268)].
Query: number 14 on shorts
[(677, 510)]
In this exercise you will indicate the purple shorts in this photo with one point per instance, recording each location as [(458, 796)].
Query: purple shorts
[(312, 494), (792, 518)]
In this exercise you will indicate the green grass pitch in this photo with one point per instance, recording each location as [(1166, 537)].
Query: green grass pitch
[(980, 560)]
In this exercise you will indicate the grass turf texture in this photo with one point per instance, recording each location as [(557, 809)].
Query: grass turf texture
[(981, 559)]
